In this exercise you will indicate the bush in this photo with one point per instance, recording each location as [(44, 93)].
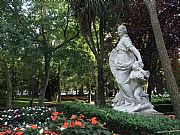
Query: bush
[(121, 122)]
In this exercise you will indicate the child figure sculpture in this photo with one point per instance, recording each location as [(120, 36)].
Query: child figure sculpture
[(138, 77)]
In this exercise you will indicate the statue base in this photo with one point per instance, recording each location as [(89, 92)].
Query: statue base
[(149, 112), (138, 110)]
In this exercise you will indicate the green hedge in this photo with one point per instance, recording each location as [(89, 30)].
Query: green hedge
[(120, 122)]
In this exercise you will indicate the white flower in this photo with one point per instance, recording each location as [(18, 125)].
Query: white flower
[(5, 123), (27, 126), (41, 131), (23, 129), (17, 128), (9, 116), (62, 128)]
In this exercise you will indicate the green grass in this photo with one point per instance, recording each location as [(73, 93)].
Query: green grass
[(29, 99), (24, 102), (21, 103)]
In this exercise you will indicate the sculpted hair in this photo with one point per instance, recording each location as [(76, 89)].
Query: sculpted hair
[(123, 28)]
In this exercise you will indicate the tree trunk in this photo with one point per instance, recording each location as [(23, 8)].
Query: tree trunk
[(165, 62), (9, 87), (89, 90), (46, 78), (81, 91), (59, 83), (100, 92)]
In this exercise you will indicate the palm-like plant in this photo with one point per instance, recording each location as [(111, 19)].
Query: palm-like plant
[(96, 17)]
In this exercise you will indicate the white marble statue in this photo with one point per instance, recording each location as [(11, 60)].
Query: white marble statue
[(126, 65)]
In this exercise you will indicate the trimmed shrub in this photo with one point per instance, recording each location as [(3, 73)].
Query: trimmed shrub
[(121, 122)]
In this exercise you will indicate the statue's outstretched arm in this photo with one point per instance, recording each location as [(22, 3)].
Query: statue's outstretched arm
[(137, 54)]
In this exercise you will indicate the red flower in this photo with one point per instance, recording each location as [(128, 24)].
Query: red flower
[(82, 115), (2, 133), (64, 118), (73, 117), (54, 133), (47, 132), (79, 118), (72, 124), (65, 125), (19, 133), (55, 113), (18, 128), (34, 126), (93, 121), (78, 123), (54, 117), (9, 131)]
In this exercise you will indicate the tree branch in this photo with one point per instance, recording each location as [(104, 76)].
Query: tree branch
[(67, 41), (90, 45), (67, 23)]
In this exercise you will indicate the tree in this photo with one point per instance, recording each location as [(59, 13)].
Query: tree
[(47, 21), (165, 62), (140, 30), (11, 42), (96, 19)]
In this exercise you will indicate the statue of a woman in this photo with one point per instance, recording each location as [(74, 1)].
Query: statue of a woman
[(121, 61)]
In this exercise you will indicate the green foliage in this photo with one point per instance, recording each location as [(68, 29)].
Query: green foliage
[(121, 122), (161, 100)]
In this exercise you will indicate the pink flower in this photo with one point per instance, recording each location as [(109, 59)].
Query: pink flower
[(73, 117)]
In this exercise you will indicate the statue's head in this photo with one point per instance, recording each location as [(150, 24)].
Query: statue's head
[(122, 30)]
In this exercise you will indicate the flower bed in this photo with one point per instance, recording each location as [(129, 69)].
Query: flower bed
[(123, 123), (42, 121)]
